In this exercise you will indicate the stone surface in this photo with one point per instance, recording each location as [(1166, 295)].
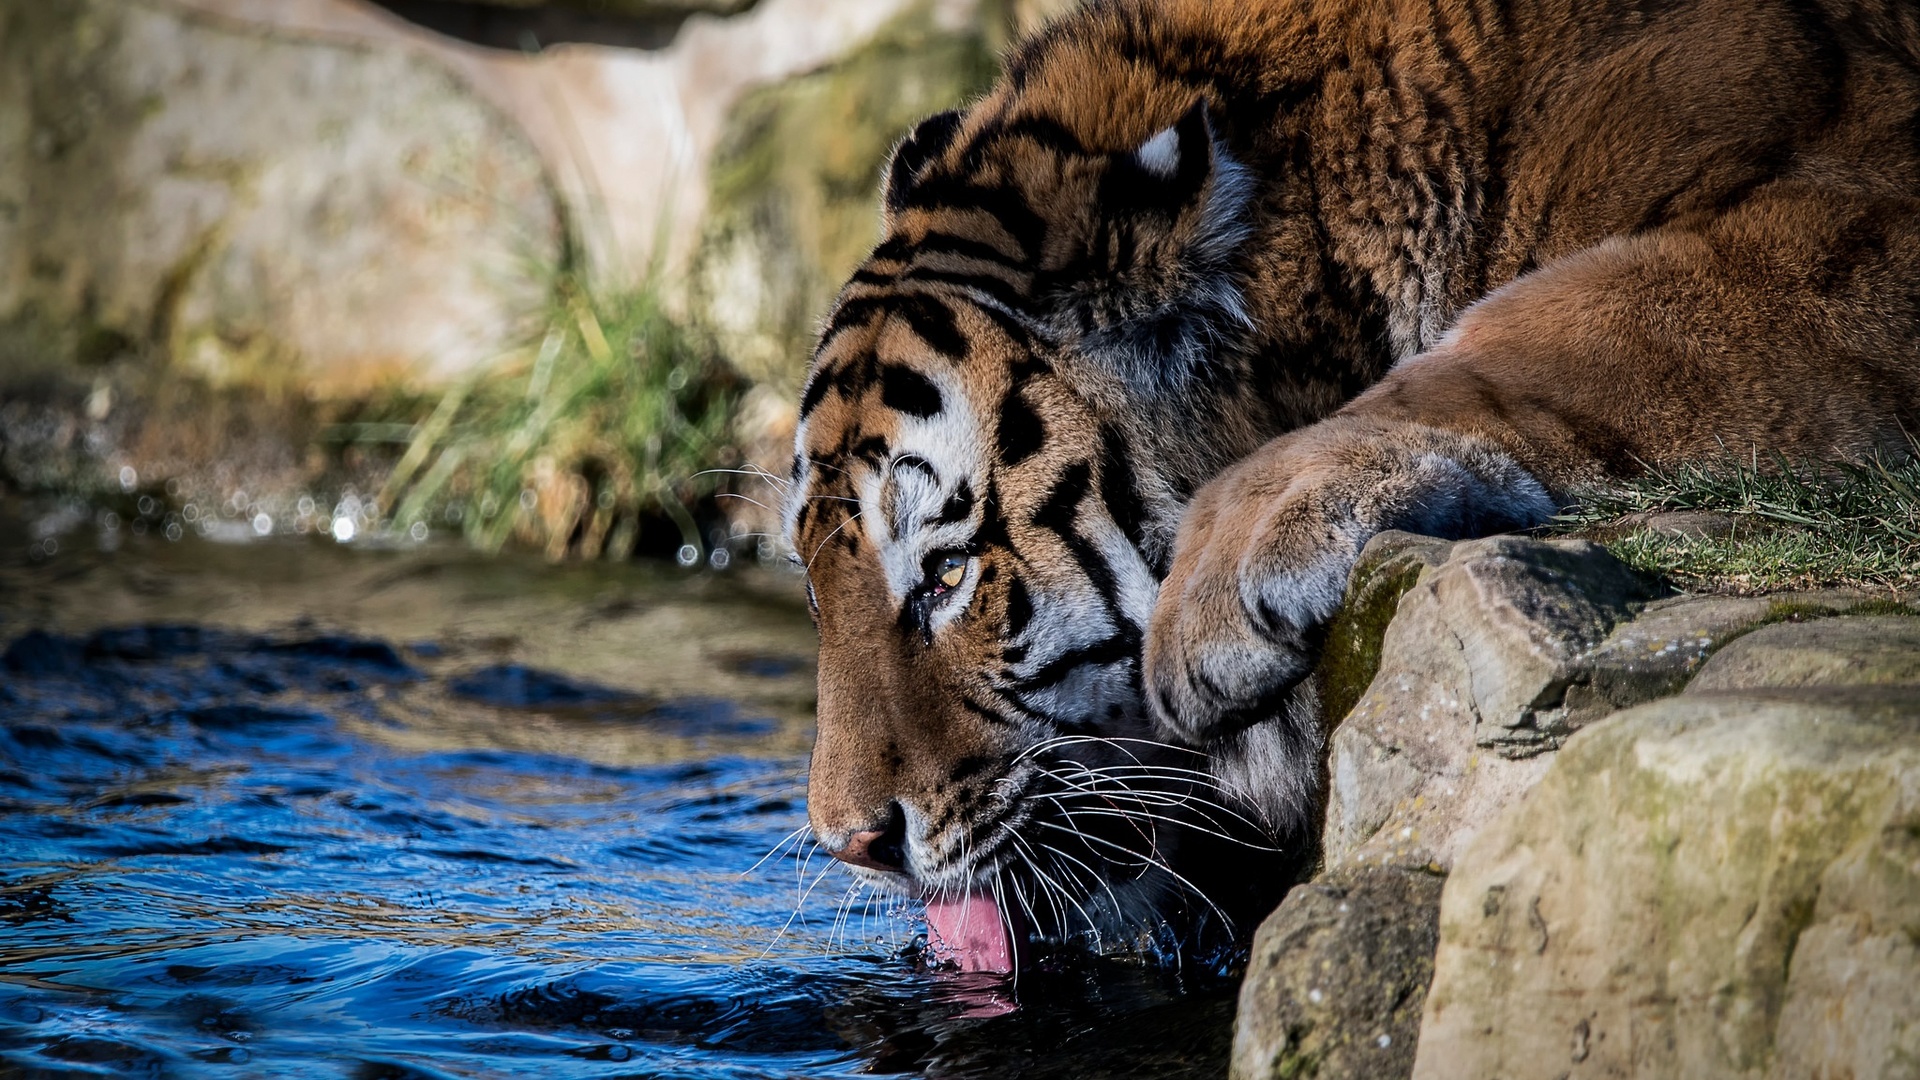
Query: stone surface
[(320, 192), (1869, 650), (1712, 885), (1502, 649), (1472, 689), (1337, 976), (793, 192), (1388, 566), (271, 211)]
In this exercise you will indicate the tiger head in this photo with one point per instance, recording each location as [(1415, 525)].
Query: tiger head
[(1009, 405)]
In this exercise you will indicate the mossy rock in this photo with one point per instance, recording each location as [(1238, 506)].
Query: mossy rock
[(1388, 566), (1713, 885), (794, 189)]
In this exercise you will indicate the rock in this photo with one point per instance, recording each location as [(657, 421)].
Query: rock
[(1712, 885), (1337, 976), (320, 196), (1502, 649), (1872, 650), (794, 191), (302, 214), (1473, 687), (1388, 566)]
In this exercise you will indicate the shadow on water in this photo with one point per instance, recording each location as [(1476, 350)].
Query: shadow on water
[(296, 809)]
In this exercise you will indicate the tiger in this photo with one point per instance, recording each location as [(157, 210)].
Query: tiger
[(1198, 298)]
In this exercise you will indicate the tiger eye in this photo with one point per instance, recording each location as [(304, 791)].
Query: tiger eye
[(953, 570)]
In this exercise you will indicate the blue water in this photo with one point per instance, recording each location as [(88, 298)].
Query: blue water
[(297, 810)]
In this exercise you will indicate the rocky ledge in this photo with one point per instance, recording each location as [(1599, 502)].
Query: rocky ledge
[(1580, 827)]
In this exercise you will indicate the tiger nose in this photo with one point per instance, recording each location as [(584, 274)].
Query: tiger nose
[(884, 848)]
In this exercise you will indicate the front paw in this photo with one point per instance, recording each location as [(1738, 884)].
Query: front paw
[(1239, 620)]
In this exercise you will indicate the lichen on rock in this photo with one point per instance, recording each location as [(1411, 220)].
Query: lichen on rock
[(1712, 885), (1336, 978)]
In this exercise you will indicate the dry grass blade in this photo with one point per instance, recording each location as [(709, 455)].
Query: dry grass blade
[(1786, 525)]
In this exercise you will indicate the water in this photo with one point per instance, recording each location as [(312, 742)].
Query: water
[(290, 808)]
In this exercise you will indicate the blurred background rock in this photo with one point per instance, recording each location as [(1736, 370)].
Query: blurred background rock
[(520, 269)]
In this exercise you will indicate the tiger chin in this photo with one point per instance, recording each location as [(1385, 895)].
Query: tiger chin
[(1201, 297)]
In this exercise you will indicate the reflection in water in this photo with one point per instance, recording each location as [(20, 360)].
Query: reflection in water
[(307, 810)]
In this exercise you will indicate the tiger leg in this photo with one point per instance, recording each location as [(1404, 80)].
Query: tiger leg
[(1790, 323)]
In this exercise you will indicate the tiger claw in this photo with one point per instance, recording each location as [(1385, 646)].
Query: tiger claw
[(1216, 665)]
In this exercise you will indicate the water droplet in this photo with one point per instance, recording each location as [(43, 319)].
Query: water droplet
[(719, 559), (418, 531), (305, 505), (128, 478), (52, 545), (191, 512), (343, 528), (146, 504), (528, 499), (688, 555), (174, 531), (263, 523)]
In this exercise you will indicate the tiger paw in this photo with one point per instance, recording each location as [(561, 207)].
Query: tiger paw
[(1239, 618), (1263, 555)]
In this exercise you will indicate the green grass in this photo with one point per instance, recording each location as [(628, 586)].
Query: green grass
[(1788, 526), (576, 441)]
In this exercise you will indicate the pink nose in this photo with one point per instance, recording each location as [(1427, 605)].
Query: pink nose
[(878, 849)]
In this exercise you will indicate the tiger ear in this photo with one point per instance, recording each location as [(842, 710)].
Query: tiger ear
[(933, 135), (1155, 291), (1169, 170)]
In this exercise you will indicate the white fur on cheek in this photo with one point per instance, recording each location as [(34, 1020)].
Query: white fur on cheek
[(902, 503)]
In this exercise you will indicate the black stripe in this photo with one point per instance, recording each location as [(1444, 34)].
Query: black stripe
[(982, 711), (1002, 291), (933, 135), (813, 395), (945, 243), (958, 507), (933, 322), (909, 391), (1117, 486), (969, 767), (1020, 432), (1019, 607), (1057, 514), (1060, 724), (1120, 647), (872, 449), (992, 532), (849, 315), (1044, 130), (853, 377), (1005, 204), (893, 249)]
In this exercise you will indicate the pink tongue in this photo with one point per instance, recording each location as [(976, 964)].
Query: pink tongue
[(968, 930)]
